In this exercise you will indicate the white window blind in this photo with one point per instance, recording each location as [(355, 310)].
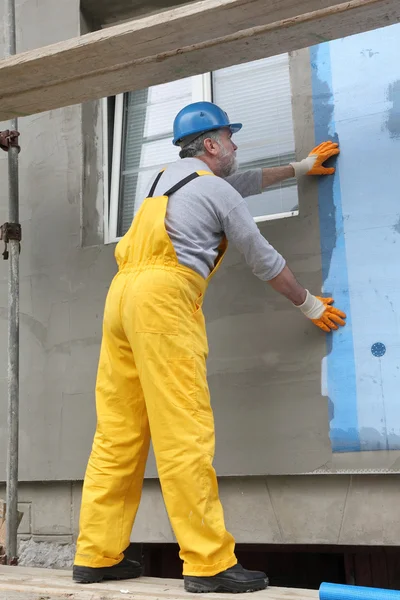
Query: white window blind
[(147, 141), (257, 94)]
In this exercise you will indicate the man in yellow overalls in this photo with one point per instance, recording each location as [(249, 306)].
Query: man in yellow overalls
[(151, 379)]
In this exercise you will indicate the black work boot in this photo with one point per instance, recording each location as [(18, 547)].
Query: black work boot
[(126, 569), (235, 580)]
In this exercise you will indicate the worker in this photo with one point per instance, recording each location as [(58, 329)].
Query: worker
[(151, 378), (9, 139)]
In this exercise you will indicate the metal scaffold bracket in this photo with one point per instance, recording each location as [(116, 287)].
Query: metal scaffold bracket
[(10, 231)]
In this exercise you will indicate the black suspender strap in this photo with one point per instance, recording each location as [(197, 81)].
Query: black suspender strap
[(181, 183), (174, 188), (153, 187)]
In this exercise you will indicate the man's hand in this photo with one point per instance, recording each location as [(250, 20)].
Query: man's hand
[(313, 164), (318, 310), (321, 313), (9, 139)]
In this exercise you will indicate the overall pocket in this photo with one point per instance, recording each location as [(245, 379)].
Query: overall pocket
[(156, 310)]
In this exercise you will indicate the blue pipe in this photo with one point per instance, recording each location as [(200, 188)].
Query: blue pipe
[(333, 591)]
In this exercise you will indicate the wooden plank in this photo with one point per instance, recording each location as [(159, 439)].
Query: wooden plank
[(349, 568), (32, 584), (379, 570), (194, 38), (363, 571)]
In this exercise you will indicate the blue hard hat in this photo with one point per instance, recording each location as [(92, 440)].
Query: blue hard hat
[(201, 117)]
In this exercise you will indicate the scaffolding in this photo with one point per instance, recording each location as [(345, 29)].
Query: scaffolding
[(12, 238)]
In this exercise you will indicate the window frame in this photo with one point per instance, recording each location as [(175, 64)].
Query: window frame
[(106, 172), (115, 184), (201, 91)]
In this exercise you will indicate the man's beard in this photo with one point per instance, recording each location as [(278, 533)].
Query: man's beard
[(228, 163)]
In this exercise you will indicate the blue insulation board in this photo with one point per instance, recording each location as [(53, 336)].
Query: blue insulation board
[(356, 101), (333, 591)]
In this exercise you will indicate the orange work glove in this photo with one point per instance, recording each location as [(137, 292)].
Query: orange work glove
[(321, 313), (312, 165)]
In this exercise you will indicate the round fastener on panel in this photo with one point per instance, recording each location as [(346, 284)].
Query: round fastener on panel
[(378, 349)]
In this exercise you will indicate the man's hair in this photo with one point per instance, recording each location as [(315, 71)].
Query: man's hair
[(196, 146)]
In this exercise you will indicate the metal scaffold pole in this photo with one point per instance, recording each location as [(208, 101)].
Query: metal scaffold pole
[(13, 317)]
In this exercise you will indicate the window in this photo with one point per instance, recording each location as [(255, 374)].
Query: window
[(257, 94)]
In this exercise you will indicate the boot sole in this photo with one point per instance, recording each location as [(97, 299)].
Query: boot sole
[(90, 575), (227, 587)]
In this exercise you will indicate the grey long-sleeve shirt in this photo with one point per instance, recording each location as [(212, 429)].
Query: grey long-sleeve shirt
[(199, 214)]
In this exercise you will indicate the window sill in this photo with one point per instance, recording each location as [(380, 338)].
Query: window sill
[(274, 217)]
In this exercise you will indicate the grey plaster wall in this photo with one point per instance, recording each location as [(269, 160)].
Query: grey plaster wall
[(63, 285), (261, 510), (264, 367), (265, 359), (328, 509)]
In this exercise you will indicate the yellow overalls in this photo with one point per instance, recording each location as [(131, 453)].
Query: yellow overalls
[(152, 382)]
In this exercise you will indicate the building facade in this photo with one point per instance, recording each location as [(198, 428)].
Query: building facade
[(306, 425)]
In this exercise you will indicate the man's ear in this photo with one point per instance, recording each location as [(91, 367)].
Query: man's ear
[(211, 146)]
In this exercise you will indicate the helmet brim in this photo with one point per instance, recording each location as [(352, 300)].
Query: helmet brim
[(235, 127)]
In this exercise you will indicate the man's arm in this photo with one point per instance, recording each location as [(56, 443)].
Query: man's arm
[(269, 266), (319, 310), (312, 165), (252, 182), (275, 175), (287, 285)]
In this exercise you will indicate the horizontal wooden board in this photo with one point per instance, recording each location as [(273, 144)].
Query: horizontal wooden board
[(35, 584), (188, 40)]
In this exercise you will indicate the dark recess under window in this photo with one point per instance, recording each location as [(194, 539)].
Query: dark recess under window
[(295, 566)]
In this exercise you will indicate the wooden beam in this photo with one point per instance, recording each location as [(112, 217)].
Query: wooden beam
[(192, 39), (19, 583)]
